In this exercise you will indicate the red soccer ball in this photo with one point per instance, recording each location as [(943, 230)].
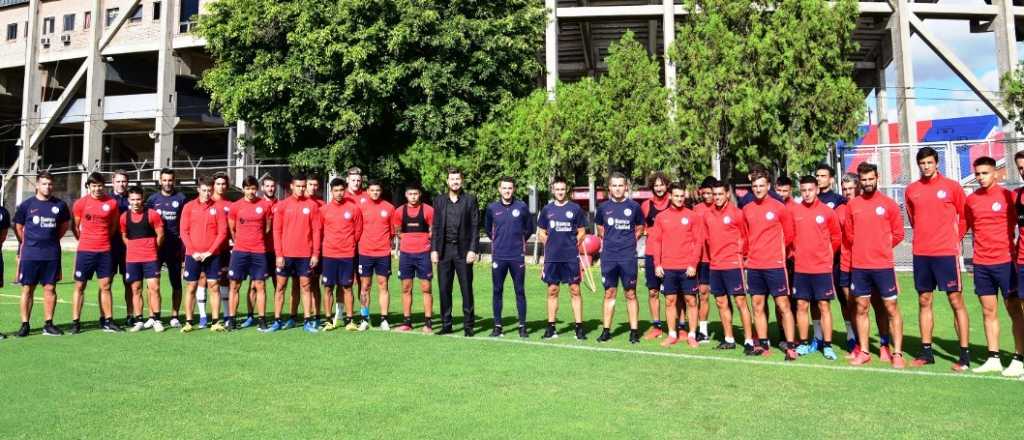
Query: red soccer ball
[(591, 244)]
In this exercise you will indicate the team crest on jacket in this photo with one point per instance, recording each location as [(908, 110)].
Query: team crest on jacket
[(769, 216), (259, 210), (568, 214), (347, 215), (213, 211), (685, 220), (940, 194), (880, 210), (831, 205), (384, 213), (35, 219), (174, 204), (996, 206), (515, 213), (305, 211), (55, 210), (819, 219), (611, 221), (106, 208), (726, 220), (628, 212)]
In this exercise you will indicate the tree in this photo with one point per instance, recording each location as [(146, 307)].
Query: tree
[(767, 81), (619, 121), (1012, 87), (394, 86)]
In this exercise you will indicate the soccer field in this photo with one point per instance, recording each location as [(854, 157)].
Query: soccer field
[(379, 384)]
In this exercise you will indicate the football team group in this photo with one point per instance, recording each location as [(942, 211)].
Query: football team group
[(703, 243)]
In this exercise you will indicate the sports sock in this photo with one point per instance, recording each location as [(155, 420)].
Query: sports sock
[(48, 322), (407, 320), (704, 327), (692, 334), (749, 342), (826, 344), (201, 301), (764, 342), (1018, 357), (156, 316), (657, 324), (365, 312), (884, 340), (730, 339), (817, 330), (673, 334), (993, 354), (965, 356)]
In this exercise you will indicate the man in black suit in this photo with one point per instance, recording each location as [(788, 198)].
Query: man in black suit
[(454, 242)]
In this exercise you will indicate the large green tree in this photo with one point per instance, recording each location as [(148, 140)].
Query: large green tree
[(394, 86), (767, 81), (619, 121)]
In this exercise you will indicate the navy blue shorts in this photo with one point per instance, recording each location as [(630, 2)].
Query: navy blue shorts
[(991, 279), (88, 264), (555, 273), (864, 282), (295, 267), (210, 267), (651, 278), (727, 281), (172, 253), (415, 265), (765, 281), (250, 265), (937, 272), (704, 273), (845, 278), (612, 272), (676, 282), (141, 271), (374, 265), (813, 286), (33, 272), (336, 272)]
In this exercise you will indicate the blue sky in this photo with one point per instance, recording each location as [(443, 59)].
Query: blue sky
[(940, 93)]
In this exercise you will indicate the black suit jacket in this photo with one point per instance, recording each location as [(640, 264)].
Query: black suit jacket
[(469, 232)]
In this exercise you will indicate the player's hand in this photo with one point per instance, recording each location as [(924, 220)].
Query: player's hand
[(313, 261), (691, 272), (659, 271), (434, 258), (279, 262), (470, 257), (198, 256)]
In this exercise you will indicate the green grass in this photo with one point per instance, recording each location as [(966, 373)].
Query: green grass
[(377, 384)]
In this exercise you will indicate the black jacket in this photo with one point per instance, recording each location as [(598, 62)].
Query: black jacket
[(469, 233)]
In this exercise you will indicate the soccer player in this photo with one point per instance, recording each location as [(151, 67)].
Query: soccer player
[(119, 192), (297, 239), (726, 231), (375, 253), (5, 226), (784, 187), (935, 208), (95, 220), (169, 203), (249, 223), (221, 183), (453, 248), (560, 228), (770, 232), (203, 228), (991, 214), (142, 230), (412, 226), (814, 246), (706, 200), (650, 209), (620, 224), (873, 228), (825, 176), (268, 198), (39, 224), (678, 240), (749, 196), (509, 224), (313, 192), (342, 227), (354, 191)]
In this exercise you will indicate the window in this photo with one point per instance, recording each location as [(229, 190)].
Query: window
[(112, 15), (136, 15), (48, 24), (69, 22), (87, 20), (156, 10), (12, 31)]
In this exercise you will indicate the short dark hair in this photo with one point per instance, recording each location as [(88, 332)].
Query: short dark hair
[(757, 168), (96, 178), (507, 179), (167, 171), (120, 172), (720, 184), (250, 181), (414, 186), (783, 181), (655, 177), (268, 178), (559, 179), (336, 182), (926, 152), (809, 179), (759, 174), (206, 181), (826, 167), (1018, 156), (985, 160), (708, 182), (617, 175), (221, 175), (298, 176), (453, 170), (676, 185), (373, 182), (867, 167), (44, 175), (136, 190)]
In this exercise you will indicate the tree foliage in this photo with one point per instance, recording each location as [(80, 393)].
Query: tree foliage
[(619, 121), (767, 81), (1012, 87), (394, 86)]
